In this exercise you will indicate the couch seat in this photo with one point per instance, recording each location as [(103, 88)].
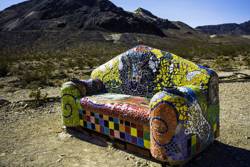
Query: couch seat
[(131, 108)]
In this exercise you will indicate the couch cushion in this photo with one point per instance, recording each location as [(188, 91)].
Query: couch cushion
[(131, 108)]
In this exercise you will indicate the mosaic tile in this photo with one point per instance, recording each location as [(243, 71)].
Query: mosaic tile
[(115, 127)]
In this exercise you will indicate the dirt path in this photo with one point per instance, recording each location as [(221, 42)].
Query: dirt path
[(33, 137)]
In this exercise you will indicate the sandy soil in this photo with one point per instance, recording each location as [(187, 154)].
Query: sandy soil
[(33, 136)]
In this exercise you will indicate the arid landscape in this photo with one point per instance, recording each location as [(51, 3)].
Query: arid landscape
[(33, 135), (44, 43)]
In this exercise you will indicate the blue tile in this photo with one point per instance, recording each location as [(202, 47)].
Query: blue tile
[(111, 119), (134, 140), (106, 130), (140, 142), (89, 125), (80, 113), (92, 126), (122, 135), (101, 122), (96, 115), (128, 137), (116, 120)]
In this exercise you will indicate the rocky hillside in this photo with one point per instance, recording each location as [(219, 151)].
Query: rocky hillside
[(228, 29), (175, 29), (73, 15), (149, 17)]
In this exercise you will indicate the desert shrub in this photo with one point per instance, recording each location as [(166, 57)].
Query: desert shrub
[(38, 97), (223, 63), (4, 69)]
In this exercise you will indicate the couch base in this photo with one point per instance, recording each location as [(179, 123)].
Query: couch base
[(127, 131), (116, 143), (121, 145)]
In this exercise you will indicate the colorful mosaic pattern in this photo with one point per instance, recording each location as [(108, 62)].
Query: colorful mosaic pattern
[(183, 112), (144, 71), (131, 108), (189, 131), (118, 128)]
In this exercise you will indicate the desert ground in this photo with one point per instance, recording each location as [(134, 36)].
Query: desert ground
[(32, 135), (44, 43)]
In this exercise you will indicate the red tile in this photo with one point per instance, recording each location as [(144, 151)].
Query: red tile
[(139, 133), (127, 129), (112, 132), (88, 118)]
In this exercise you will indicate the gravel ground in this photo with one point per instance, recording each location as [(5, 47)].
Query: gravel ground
[(32, 136)]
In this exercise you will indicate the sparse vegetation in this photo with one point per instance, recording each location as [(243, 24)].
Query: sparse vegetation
[(4, 68), (38, 96), (36, 67)]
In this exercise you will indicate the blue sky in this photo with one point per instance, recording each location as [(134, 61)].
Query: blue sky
[(192, 12)]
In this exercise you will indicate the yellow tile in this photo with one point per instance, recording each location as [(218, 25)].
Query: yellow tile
[(133, 132), (105, 117), (111, 125), (121, 128), (157, 52), (146, 144), (97, 127), (81, 122), (215, 127), (193, 140)]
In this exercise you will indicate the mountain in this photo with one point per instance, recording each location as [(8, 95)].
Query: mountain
[(227, 29), (170, 28), (43, 24), (149, 17), (76, 15)]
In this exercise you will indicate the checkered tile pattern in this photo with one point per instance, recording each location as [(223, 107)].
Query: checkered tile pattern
[(120, 129)]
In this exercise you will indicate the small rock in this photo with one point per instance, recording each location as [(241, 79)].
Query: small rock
[(2, 154), (25, 106), (50, 111), (64, 136), (3, 101), (59, 160), (58, 130), (138, 163), (127, 158), (132, 157)]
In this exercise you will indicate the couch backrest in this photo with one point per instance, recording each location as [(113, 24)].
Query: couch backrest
[(144, 71)]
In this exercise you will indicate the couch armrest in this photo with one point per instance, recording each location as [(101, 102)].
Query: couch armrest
[(71, 94), (89, 87), (177, 116)]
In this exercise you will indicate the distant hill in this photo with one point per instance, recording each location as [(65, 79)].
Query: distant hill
[(81, 15), (226, 29), (74, 15), (60, 23), (176, 28)]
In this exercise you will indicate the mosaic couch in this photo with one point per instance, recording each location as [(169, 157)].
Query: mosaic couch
[(150, 98)]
